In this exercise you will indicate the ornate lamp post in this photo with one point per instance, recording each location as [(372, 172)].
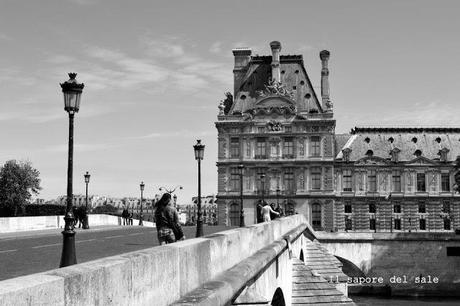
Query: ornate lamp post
[(240, 172), (199, 153), (171, 191), (87, 176), (142, 185), (72, 94), (262, 181), (278, 191)]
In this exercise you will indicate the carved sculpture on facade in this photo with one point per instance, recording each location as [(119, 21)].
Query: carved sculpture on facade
[(221, 108), (228, 102), (275, 88), (274, 126)]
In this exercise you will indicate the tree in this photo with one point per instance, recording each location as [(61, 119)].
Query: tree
[(18, 181)]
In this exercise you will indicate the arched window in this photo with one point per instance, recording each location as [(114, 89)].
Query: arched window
[(234, 214), (316, 216)]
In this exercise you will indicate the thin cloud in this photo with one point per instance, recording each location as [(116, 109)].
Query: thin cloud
[(216, 47), (178, 134), (435, 113)]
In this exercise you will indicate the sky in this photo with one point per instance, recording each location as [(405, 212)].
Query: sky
[(156, 71)]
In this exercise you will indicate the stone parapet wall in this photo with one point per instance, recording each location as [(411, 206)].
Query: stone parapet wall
[(17, 224), (155, 276), (404, 255)]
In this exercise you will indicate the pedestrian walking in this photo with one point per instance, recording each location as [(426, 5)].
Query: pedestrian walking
[(266, 211), (167, 221)]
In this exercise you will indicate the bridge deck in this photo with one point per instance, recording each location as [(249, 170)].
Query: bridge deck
[(311, 289)]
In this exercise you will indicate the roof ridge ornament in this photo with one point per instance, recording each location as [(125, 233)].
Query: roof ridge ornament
[(275, 88)]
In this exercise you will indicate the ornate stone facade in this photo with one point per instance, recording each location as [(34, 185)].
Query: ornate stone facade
[(373, 179), (282, 135)]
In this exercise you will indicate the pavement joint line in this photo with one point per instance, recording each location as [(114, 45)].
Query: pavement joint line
[(46, 245), (134, 234), (84, 240), (8, 251), (117, 236)]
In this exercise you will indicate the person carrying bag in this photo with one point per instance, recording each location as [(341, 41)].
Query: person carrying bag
[(167, 221)]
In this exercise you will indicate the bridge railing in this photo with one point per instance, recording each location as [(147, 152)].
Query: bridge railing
[(155, 276), (225, 288)]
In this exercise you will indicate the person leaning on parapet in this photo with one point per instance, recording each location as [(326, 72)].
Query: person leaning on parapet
[(266, 211), (167, 221)]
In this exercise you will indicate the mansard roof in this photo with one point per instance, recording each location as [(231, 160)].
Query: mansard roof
[(429, 141), (293, 77)]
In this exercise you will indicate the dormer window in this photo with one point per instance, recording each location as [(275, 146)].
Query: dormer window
[(438, 139), (395, 155), (414, 140), (391, 139), (367, 140), (346, 154), (369, 153), (418, 153), (443, 154)]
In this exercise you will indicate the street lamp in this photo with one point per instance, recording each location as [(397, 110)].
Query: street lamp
[(278, 191), (171, 191), (199, 153), (86, 224), (262, 181), (240, 172), (72, 94), (142, 185)]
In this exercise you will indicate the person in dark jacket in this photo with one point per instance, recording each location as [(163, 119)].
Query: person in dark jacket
[(167, 221)]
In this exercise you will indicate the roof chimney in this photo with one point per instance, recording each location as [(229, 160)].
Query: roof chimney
[(324, 56), (242, 58), (276, 49)]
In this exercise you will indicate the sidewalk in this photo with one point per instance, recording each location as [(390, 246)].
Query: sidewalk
[(56, 231)]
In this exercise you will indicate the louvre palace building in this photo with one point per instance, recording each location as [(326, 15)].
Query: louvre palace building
[(277, 145)]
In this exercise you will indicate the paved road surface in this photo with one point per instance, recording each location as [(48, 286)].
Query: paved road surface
[(33, 252)]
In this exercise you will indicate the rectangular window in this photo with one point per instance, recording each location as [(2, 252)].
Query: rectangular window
[(421, 182), (372, 208), (422, 208), (261, 148), (316, 178), (234, 179), (348, 223), (372, 177), (261, 129), (288, 147), (445, 182), (234, 147), (348, 209), (315, 146), (372, 224), (397, 208), (453, 251), (446, 224), (234, 130), (445, 207), (397, 224), (396, 180), (288, 129), (422, 224), (289, 180), (347, 180)]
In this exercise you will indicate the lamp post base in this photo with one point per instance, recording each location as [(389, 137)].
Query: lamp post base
[(199, 228), (68, 256)]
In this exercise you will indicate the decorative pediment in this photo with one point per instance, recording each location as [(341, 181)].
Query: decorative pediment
[(421, 160), (371, 161)]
